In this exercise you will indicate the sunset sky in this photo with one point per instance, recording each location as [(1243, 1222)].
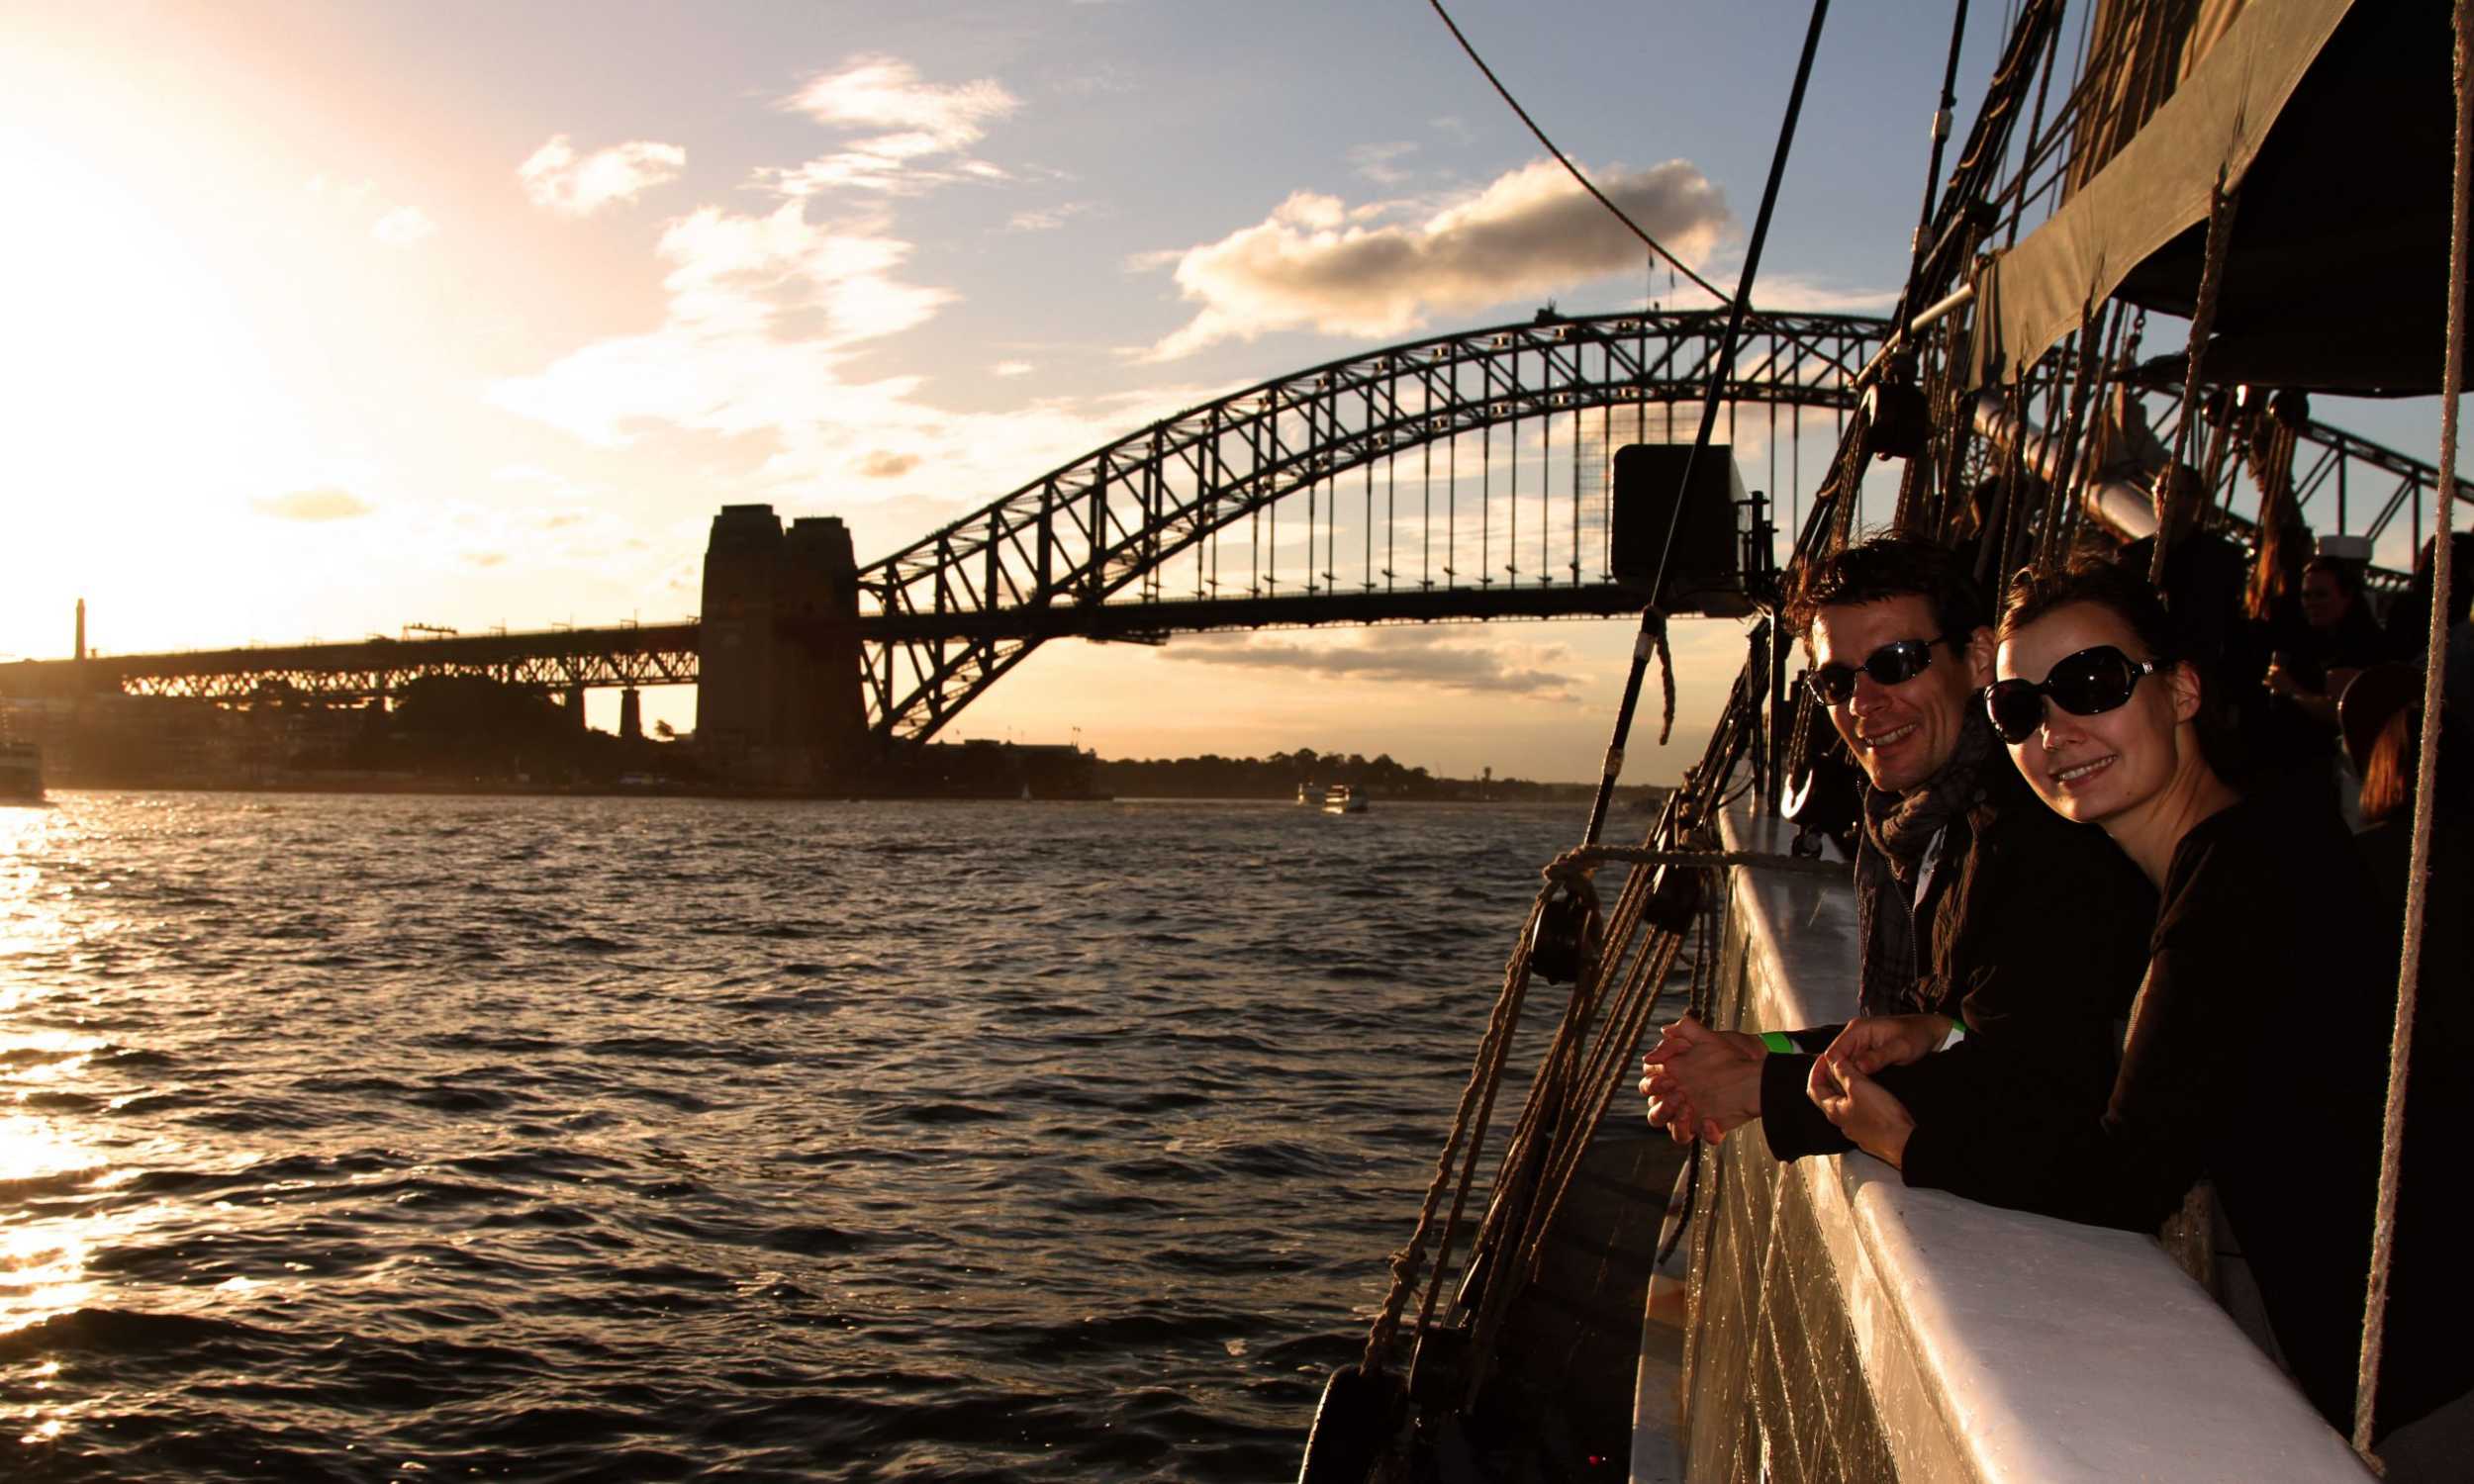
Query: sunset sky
[(317, 319)]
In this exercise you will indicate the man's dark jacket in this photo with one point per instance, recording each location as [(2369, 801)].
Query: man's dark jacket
[(2033, 933)]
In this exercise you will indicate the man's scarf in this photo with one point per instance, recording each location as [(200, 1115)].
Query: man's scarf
[(1898, 829)]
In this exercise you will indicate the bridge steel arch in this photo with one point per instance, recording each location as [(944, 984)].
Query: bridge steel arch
[(1088, 549)]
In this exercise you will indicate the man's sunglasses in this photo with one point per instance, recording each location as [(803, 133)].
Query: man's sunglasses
[(2087, 683), (1895, 663)]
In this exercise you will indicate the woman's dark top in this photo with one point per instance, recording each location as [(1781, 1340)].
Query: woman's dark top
[(2033, 935), (2257, 1057)]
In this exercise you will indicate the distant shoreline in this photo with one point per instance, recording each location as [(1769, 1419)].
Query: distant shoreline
[(480, 790)]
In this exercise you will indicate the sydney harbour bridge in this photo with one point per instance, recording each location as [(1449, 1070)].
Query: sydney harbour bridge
[(1460, 477)]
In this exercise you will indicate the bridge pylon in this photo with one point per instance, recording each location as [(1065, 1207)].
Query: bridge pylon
[(778, 702)]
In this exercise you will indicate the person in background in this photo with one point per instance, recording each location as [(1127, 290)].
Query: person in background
[(2410, 616), (2256, 1052), (2206, 582), (2205, 578), (1964, 882), (2338, 639), (2408, 622), (2382, 716)]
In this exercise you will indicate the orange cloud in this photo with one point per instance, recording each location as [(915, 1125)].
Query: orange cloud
[(1313, 263)]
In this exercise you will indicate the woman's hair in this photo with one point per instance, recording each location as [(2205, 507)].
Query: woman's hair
[(2034, 592), (2388, 771)]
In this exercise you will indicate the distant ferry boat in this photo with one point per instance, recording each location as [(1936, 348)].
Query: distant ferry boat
[(1307, 793), (1343, 799), (20, 771)]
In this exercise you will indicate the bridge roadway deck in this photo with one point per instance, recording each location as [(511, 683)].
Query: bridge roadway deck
[(662, 654), (665, 654)]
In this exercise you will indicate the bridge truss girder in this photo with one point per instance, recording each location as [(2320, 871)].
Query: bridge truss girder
[(948, 615), (1083, 551), (553, 661)]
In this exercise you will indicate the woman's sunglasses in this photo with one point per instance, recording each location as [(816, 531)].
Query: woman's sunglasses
[(2087, 683), (1895, 663)]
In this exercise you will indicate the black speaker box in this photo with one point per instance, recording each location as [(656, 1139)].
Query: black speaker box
[(1704, 573)]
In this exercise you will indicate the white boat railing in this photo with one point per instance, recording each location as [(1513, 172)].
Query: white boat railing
[(1987, 1345)]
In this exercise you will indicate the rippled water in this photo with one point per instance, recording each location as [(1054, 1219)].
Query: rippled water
[(659, 1139)]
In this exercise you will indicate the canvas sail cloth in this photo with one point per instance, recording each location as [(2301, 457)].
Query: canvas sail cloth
[(2335, 118)]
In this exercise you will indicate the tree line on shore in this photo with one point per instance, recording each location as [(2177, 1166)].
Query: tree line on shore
[(1281, 774)]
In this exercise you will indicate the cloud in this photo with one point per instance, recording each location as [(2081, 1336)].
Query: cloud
[(1533, 230), (765, 319), (1012, 368), (326, 504), (765, 349), (361, 200), (533, 541), (923, 121), (403, 226), (1101, 77), (1376, 161), (1809, 295), (723, 359), (350, 194), (1045, 217), (557, 179), (1416, 656)]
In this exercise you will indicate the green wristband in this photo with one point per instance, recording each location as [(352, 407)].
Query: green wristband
[(1779, 1040)]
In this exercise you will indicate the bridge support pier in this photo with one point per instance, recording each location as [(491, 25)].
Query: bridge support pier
[(575, 708), (632, 715), (778, 703)]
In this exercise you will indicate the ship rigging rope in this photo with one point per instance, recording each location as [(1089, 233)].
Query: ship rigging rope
[(1923, 241), (2203, 324), (1722, 365), (1583, 860), (2427, 765), (1513, 103), (1484, 1074)]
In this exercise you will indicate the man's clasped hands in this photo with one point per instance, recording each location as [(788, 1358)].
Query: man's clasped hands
[(1704, 1084)]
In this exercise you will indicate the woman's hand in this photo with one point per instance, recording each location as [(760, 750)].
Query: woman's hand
[(1879, 1041), (1702, 1083), (1867, 1113)]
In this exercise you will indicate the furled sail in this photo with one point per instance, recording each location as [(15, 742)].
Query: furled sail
[(2341, 113)]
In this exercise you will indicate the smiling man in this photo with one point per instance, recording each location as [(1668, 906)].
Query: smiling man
[(1974, 903)]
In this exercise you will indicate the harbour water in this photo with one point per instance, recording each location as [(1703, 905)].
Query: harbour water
[(388, 1138)]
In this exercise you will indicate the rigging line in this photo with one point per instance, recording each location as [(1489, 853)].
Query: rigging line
[(2035, 144), (1579, 431), (2426, 761), (1546, 475), (1513, 103), (1933, 170), (1722, 362)]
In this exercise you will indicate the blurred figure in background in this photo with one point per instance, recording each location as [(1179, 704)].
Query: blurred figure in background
[(2337, 639), (2408, 622)]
